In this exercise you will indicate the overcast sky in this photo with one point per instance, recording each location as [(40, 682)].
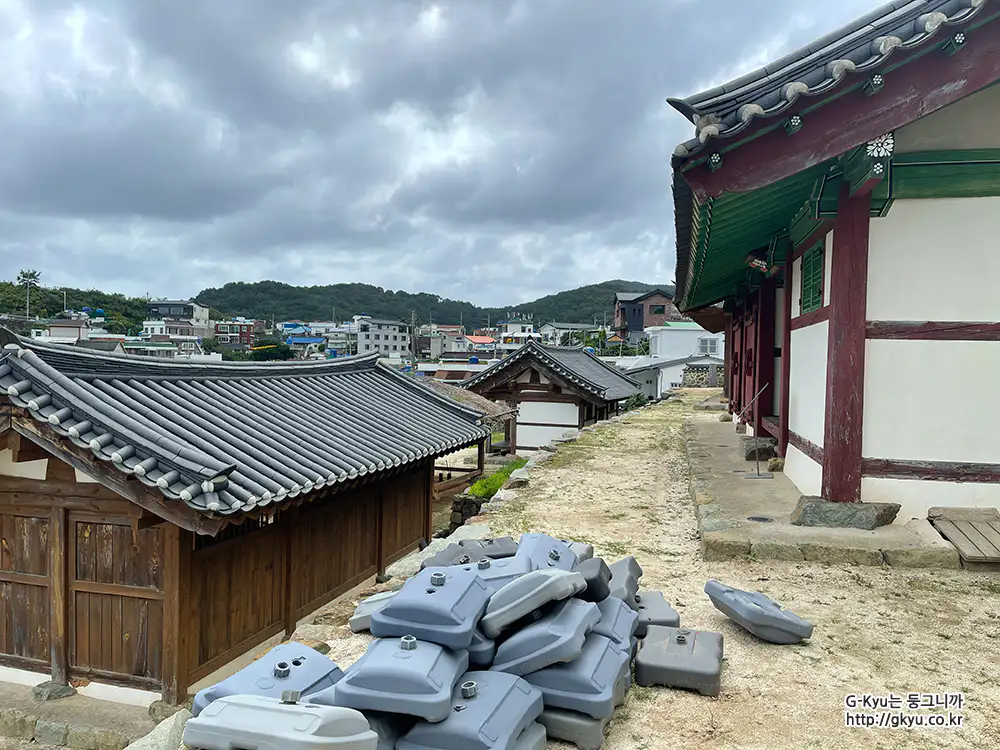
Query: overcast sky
[(488, 150)]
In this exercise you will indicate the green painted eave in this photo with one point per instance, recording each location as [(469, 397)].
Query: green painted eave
[(730, 227)]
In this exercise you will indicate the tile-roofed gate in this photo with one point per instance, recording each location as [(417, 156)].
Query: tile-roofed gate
[(159, 520)]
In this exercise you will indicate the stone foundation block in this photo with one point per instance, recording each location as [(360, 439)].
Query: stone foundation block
[(815, 511), (51, 732), (17, 724)]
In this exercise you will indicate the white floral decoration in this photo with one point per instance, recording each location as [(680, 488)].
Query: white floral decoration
[(881, 147), (960, 38), (878, 168)]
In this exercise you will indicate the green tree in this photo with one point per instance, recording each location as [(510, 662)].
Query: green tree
[(267, 350), (29, 279)]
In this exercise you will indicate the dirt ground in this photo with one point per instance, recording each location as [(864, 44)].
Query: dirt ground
[(623, 488)]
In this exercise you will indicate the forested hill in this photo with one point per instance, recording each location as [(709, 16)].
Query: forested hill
[(265, 299), (283, 301)]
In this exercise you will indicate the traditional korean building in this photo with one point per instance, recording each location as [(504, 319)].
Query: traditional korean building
[(554, 390), (159, 519), (843, 203)]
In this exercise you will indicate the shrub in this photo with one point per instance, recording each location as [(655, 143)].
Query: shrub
[(486, 487), (635, 401)]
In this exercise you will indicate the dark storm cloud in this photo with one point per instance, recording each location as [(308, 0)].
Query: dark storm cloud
[(492, 149)]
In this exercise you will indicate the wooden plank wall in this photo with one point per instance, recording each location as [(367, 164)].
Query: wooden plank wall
[(405, 506), (24, 589), (235, 598), (115, 600), (334, 549)]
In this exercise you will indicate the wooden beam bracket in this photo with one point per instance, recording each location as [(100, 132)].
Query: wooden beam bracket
[(793, 124), (957, 42), (873, 85)]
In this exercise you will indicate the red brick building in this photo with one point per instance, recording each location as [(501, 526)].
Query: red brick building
[(238, 331), (636, 311)]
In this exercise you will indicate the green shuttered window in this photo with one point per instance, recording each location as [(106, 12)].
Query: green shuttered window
[(812, 280)]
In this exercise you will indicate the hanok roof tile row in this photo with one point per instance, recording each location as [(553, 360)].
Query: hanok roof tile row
[(225, 438), (819, 68), (575, 364)]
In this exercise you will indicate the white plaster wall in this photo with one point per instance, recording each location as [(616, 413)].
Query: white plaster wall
[(970, 122), (916, 496), (807, 386), (806, 474), (827, 268), (535, 437), (547, 412), (25, 470), (932, 401), (935, 259), (671, 375)]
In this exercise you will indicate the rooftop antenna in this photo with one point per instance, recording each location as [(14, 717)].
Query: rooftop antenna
[(756, 451)]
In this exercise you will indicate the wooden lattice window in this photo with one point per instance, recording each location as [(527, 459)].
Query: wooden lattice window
[(811, 297)]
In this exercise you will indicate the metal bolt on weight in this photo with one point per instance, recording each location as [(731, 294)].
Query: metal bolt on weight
[(438, 579), (484, 563), (282, 670), (407, 643), (682, 636), (469, 689), (554, 554)]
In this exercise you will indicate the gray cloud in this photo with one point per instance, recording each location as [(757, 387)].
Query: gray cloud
[(494, 151)]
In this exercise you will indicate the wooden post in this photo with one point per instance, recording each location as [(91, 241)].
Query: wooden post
[(764, 356), (481, 456), (379, 531), (428, 519), (176, 608), (727, 377), (845, 369), (58, 592), (291, 600), (786, 359)]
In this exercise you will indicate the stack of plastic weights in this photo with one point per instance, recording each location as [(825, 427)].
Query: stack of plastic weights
[(494, 645)]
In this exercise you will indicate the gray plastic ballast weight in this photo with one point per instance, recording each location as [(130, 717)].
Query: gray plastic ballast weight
[(439, 605), (758, 614), (288, 666), (680, 658), (400, 676), (556, 637), (259, 723), (490, 711), (524, 595), (654, 609), (590, 684), (625, 575)]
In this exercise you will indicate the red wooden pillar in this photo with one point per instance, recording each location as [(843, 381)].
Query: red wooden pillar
[(727, 386), (765, 355), (845, 373), (786, 358)]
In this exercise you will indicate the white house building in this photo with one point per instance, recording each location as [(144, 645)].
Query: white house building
[(553, 333), (681, 339), (387, 337), (513, 334), (845, 207)]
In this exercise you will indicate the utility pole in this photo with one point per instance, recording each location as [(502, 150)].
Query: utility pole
[(413, 335)]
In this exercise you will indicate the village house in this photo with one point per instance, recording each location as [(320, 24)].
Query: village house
[(553, 389), (637, 311), (555, 333), (161, 519), (843, 204)]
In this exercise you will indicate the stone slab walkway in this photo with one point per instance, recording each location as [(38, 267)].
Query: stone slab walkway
[(725, 500)]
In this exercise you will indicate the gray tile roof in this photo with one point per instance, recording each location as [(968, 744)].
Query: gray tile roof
[(575, 364), (666, 291), (227, 437), (844, 56), (573, 326), (671, 362)]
